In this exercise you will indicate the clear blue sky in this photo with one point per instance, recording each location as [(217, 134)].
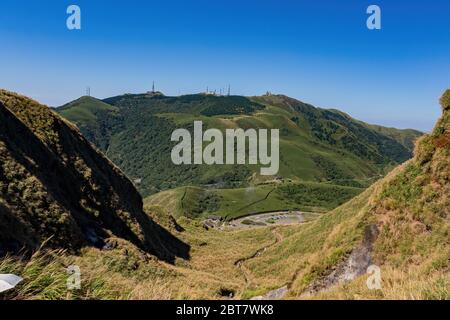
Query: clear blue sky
[(317, 51)]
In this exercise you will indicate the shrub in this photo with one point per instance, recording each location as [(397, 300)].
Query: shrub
[(445, 100)]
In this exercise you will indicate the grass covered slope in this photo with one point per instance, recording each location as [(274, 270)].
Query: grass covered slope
[(85, 109), (410, 209), (94, 117), (195, 202), (315, 145), (55, 187)]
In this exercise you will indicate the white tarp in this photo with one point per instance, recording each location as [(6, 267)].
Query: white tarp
[(9, 281)]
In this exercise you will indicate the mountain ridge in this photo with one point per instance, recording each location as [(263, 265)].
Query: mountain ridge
[(316, 144)]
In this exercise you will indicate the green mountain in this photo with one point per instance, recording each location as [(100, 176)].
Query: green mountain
[(55, 188), (90, 114), (316, 145)]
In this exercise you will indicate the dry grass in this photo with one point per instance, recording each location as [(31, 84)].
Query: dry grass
[(395, 285)]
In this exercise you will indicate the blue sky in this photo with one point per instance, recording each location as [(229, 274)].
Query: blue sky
[(317, 51)]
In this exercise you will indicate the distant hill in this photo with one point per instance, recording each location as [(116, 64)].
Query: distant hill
[(93, 117), (196, 202), (316, 144), (55, 188)]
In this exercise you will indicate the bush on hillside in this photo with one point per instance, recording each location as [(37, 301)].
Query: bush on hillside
[(445, 100)]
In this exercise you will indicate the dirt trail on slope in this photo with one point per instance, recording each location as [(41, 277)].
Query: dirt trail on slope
[(240, 262)]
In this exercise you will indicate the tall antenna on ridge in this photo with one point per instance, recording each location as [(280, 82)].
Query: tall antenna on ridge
[(88, 91)]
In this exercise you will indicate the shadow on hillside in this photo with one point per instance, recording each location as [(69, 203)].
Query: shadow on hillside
[(173, 247), (12, 232), (96, 195)]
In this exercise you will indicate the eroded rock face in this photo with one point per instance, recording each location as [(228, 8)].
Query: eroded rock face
[(353, 266)]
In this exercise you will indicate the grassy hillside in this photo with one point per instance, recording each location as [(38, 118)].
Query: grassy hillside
[(195, 202), (95, 118), (55, 188), (315, 145), (85, 109)]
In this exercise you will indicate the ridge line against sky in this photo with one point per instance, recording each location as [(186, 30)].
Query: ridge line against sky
[(319, 52)]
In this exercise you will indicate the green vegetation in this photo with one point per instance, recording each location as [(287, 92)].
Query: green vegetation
[(95, 119), (445, 100), (321, 197), (315, 145), (86, 109), (338, 129), (194, 202)]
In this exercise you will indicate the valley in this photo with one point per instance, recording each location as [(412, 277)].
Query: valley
[(326, 157)]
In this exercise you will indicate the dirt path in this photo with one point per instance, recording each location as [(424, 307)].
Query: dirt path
[(273, 294), (240, 262)]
